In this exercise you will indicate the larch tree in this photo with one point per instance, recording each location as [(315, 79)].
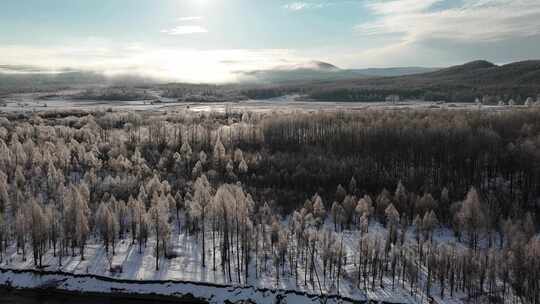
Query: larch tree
[(197, 169), (319, 212), (426, 204), (243, 167), (337, 214), (352, 186), (38, 227), (444, 205), (392, 221), (400, 197), (4, 195), (364, 208), (186, 154), (429, 223), (137, 213), (203, 158), (21, 231), (224, 205), (199, 207), (382, 202), (159, 221), (4, 232), (76, 215), (219, 155), (55, 226), (238, 156), (349, 206), (471, 216), (107, 225)]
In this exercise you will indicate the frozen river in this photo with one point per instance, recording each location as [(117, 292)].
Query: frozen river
[(48, 298)]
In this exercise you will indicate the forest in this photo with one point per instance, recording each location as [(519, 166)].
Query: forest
[(443, 204)]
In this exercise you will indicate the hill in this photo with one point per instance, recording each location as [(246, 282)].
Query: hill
[(462, 83), (321, 71), (391, 72)]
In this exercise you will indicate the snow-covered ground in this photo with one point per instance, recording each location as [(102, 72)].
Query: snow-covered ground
[(183, 274), (31, 102), (188, 291), (177, 277)]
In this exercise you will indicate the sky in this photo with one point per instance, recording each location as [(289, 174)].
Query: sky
[(209, 40)]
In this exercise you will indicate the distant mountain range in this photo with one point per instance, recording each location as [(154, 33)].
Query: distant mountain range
[(317, 71), (477, 79), (323, 81)]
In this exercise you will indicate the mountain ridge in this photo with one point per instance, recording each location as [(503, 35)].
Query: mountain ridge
[(465, 82)]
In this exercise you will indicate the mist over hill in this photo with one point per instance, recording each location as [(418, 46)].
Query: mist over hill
[(16, 79), (313, 80), (318, 71), (20, 77)]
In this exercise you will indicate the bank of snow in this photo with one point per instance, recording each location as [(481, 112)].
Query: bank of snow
[(189, 292)]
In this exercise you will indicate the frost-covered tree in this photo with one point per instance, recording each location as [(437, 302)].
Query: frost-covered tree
[(4, 232), (197, 169), (319, 212), (429, 223), (138, 222), (382, 202), (121, 213), (203, 158), (198, 208), (185, 151), (38, 226), (76, 213), (352, 186), (364, 206), (400, 197), (363, 223), (4, 195), (186, 155), (21, 231), (392, 215), (426, 204), (219, 152), (243, 167), (55, 226), (471, 216), (107, 225), (159, 222), (349, 208), (229, 168), (327, 241), (338, 215), (238, 156)]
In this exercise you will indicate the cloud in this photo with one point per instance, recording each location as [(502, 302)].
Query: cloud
[(471, 21), (189, 18), (185, 30), (162, 63), (299, 6)]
